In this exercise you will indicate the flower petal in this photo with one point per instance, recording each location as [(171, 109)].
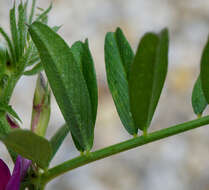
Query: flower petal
[(25, 165), (14, 182), (4, 175)]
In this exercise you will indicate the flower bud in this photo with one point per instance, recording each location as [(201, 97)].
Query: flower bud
[(13, 124), (41, 107)]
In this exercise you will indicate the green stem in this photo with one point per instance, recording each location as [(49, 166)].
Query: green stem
[(6, 93), (120, 147)]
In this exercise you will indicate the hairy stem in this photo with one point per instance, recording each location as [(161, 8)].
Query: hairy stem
[(120, 147)]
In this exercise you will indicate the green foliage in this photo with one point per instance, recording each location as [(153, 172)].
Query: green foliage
[(136, 81), (147, 75), (58, 138), (14, 31), (199, 102), (204, 71), (83, 57), (18, 31), (44, 15), (118, 57), (4, 125), (22, 28), (66, 80), (29, 145), (20, 52), (32, 11), (35, 70), (3, 60), (8, 109), (9, 43)]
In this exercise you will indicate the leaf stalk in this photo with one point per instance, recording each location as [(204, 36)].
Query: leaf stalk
[(121, 147)]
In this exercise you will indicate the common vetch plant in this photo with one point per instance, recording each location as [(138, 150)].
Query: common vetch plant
[(135, 80)]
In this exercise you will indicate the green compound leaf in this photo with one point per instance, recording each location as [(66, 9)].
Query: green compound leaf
[(58, 138), (77, 144), (34, 56), (32, 11), (44, 13), (118, 57), (14, 31), (22, 27), (10, 110), (125, 50), (204, 71), (147, 77), (83, 57), (4, 125), (3, 59), (9, 43), (29, 145), (67, 82), (35, 70), (199, 102)]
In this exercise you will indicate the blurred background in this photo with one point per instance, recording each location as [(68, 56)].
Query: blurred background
[(179, 162)]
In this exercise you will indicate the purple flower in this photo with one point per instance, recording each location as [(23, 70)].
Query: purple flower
[(12, 182)]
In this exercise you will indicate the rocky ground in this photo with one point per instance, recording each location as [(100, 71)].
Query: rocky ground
[(179, 162)]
